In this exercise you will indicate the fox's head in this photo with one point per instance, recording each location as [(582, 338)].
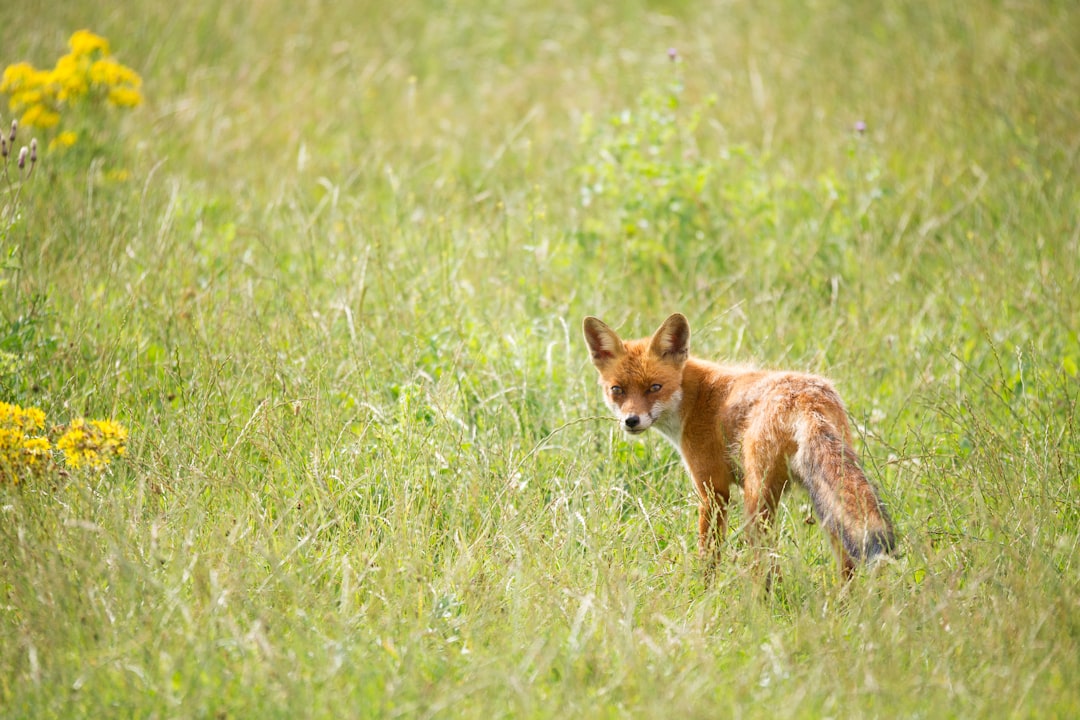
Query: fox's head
[(642, 379)]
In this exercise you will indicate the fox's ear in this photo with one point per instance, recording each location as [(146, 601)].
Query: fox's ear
[(672, 340), (603, 343)]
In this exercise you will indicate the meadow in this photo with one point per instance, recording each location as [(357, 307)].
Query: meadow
[(330, 274)]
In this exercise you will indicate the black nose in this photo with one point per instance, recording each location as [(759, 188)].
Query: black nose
[(632, 421)]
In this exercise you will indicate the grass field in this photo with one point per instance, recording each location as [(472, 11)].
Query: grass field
[(330, 274)]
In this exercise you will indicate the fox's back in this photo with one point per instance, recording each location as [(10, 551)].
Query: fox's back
[(726, 403)]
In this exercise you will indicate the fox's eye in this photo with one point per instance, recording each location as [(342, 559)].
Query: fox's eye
[(616, 390), (655, 388)]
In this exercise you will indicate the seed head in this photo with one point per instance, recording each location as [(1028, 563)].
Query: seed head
[(22, 157), (3, 147), (33, 150), (14, 127)]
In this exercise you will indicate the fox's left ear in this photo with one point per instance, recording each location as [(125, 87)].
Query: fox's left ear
[(672, 340)]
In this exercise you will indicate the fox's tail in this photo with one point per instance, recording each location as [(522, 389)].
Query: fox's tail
[(845, 500)]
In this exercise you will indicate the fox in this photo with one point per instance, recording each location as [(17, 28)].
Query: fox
[(739, 425)]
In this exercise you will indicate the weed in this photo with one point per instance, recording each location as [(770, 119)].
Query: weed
[(16, 169)]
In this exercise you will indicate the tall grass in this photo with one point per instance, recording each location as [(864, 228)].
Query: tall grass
[(337, 298)]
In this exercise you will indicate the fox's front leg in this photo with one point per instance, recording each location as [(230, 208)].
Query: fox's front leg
[(712, 479), (712, 524)]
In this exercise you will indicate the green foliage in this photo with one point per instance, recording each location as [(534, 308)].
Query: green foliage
[(644, 180), (657, 199), (337, 302)]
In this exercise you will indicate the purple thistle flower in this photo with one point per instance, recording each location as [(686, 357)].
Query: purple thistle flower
[(672, 54), (860, 127)]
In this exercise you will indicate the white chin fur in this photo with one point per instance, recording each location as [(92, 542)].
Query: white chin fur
[(668, 418)]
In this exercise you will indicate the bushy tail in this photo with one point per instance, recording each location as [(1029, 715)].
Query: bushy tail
[(846, 502)]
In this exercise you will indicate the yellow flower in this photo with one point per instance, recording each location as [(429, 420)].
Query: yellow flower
[(10, 442), (16, 77), (84, 42), (86, 76), (88, 70), (110, 73), (18, 418), (36, 451), (40, 116), (122, 82), (25, 98), (69, 77), (21, 454), (26, 86), (64, 140), (104, 72), (9, 438), (124, 97), (34, 418), (10, 454), (113, 435), (92, 444), (73, 443)]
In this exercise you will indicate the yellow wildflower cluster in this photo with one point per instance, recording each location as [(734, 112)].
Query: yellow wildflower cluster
[(23, 449), (88, 72), (92, 444), (26, 450)]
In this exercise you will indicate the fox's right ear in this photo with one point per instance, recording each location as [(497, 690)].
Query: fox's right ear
[(603, 343)]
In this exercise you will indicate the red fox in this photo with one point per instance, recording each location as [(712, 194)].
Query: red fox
[(738, 424)]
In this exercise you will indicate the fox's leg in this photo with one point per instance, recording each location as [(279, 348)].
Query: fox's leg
[(843, 558), (712, 523), (761, 498), (712, 479), (765, 476)]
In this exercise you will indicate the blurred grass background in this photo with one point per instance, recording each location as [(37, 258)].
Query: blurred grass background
[(337, 299)]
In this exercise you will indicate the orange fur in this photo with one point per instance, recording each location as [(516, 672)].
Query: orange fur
[(739, 425)]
